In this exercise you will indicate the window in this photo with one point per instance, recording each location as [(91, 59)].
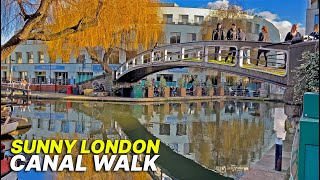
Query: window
[(249, 27), (175, 37), (316, 19), (40, 78), (41, 57), (168, 18), (30, 57), (61, 78), (19, 57), (183, 19), (257, 29), (198, 19), (168, 77), (192, 37), (23, 75), (164, 129), (81, 58), (181, 129)]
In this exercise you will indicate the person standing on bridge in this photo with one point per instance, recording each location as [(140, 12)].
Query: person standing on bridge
[(293, 33), (315, 32), (264, 37), (217, 34), (232, 35)]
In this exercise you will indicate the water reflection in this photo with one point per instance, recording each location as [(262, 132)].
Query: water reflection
[(227, 137), (224, 136)]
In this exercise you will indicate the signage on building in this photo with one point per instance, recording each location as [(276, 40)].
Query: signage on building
[(4, 67), (179, 70), (49, 67), (98, 68)]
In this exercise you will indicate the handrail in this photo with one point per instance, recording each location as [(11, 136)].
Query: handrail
[(200, 51)]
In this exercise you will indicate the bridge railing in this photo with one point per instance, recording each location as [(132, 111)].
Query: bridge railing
[(230, 53)]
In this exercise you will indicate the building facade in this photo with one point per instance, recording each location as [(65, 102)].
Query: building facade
[(30, 60), (312, 15)]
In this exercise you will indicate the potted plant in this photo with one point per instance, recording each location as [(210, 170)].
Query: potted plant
[(165, 91), (150, 90), (197, 90), (181, 89), (209, 88)]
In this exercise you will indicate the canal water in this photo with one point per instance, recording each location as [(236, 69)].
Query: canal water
[(200, 140)]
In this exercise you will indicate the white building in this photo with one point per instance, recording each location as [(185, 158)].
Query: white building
[(312, 15), (31, 61)]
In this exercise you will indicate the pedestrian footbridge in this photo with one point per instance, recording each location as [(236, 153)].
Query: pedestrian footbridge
[(212, 55)]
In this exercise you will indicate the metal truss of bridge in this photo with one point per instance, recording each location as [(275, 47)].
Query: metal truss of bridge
[(211, 55)]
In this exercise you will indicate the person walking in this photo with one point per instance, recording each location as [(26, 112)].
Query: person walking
[(217, 34), (315, 32), (156, 53), (241, 35), (232, 35), (293, 33), (264, 37)]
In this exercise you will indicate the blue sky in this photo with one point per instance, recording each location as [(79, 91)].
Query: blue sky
[(282, 13), (291, 10)]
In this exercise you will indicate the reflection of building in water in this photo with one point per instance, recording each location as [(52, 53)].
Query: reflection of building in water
[(59, 119), (226, 136)]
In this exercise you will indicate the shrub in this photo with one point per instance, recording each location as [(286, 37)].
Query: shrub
[(307, 76)]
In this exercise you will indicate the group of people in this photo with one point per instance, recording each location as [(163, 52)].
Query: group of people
[(238, 34), (232, 34)]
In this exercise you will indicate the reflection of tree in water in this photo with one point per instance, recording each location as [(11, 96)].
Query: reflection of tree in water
[(225, 143)]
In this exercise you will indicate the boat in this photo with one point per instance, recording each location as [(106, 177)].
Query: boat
[(11, 123), (6, 172)]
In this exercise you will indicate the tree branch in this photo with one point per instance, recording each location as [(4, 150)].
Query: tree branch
[(80, 26)]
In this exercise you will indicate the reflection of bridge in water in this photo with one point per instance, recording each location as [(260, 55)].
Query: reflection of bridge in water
[(170, 156), (204, 131)]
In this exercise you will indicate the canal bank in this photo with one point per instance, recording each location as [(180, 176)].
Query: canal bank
[(61, 96)]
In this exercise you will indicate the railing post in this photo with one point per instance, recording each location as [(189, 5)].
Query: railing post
[(165, 55), (219, 54), (198, 55), (182, 52), (152, 57), (133, 62), (240, 58), (120, 70), (142, 59), (127, 66), (248, 56), (205, 54)]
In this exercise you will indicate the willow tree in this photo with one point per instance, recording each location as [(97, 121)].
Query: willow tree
[(225, 14), (68, 26)]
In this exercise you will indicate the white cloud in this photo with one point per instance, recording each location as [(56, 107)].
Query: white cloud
[(268, 15), (223, 5)]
